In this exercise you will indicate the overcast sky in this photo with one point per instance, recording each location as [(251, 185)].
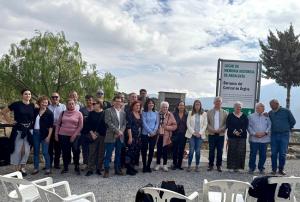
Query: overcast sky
[(160, 45)]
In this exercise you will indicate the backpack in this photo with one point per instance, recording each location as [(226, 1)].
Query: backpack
[(264, 192), (172, 186), (142, 197)]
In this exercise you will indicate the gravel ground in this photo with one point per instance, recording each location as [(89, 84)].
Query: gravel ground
[(124, 188)]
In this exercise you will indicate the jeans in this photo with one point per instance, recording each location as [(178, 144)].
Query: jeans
[(279, 146), (147, 142), (261, 148), (215, 142), (195, 144), (162, 151), (178, 149), (66, 147), (36, 150), (109, 148), (54, 150)]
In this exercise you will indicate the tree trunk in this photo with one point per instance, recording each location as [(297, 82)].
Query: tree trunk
[(288, 96)]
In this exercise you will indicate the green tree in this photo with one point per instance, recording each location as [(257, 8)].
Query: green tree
[(49, 63), (281, 59)]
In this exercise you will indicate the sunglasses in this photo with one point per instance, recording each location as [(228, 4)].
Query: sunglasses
[(54, 97)]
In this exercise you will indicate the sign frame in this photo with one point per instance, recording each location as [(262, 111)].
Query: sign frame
[(258, 77)]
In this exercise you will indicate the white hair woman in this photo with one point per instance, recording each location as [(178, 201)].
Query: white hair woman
[(236, 124), (167, 125)]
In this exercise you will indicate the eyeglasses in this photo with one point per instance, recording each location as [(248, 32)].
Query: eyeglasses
[(54, 97), (96, 103)]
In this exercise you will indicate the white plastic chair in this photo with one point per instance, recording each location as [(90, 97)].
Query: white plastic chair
[(18, 189), (48, 193), (230, 191), (168, 195), (293, 181)]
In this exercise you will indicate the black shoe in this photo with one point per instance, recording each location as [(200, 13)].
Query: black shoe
[(57, 167), (173, 167), (47, 172), (180, 168), (144, 169), (148, 169), (24, 174), (89, 173), (130, 172), (98, 172), (64, 171), (134, 170), (210, 168), (77, 169), (219, 169), (281, 172), (273, 172)]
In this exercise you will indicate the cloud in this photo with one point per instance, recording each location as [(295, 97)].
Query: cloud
[(154, 44)]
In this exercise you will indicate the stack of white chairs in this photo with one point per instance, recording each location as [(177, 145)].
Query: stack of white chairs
[(18, 189)]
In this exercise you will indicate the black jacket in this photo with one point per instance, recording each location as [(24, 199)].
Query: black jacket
[(46, 122)]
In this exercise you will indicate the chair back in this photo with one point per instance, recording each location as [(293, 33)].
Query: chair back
[(293, 181), (229, 189), (166, 196), (12, 184), (47, 195)]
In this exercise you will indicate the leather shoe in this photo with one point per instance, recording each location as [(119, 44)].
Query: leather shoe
[(89, 173), (64, 171), (98, 172), (281, 172), (210, 168), (219, 169), (106, 174), (119, 172)]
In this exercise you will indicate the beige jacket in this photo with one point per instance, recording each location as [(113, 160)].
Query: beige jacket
[(191, 125), (211, 121), (170, 126)]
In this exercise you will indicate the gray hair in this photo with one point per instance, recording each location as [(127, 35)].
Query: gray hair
[(237, 103), (259, 104), (164, 103), (274, 101), (218, 98)]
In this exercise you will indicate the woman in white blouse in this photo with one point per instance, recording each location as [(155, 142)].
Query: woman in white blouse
[(196, 124)]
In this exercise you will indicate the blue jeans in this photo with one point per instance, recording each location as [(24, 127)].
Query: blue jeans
[(279, 146), (195, 144), (36, 150), (261, 148), (109, 148)]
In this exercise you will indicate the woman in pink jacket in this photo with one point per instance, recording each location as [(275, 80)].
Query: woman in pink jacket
[(67, 133), (166, 127)]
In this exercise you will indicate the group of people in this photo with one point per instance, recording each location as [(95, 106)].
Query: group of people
[(100, 128)]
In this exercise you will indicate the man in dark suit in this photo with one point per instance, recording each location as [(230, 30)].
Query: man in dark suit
[(115, 119)]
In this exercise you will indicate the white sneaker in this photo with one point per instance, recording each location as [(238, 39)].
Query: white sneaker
[(157, 167), (165, 168)]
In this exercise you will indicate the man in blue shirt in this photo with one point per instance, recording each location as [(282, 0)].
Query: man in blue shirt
[(260, 132), (282, 122)]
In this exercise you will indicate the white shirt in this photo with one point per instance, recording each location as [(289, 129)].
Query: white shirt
[(217, 120), (37, 122), (118, 115)]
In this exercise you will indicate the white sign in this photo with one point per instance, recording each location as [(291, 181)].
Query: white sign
[(238, 83)]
